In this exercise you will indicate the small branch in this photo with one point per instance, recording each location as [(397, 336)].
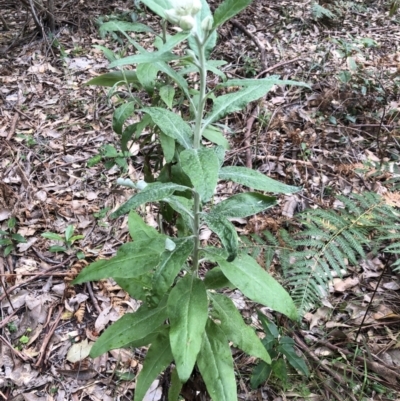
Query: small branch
[(13, 126), (4, 22)]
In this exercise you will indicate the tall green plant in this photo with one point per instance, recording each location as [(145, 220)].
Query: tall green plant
[(182, 316)]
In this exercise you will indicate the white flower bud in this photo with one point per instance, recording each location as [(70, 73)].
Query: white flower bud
[(187, 22), (172, 17), (186, 7), (207, 23)]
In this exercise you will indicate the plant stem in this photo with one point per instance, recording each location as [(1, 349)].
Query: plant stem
[(196, 145)]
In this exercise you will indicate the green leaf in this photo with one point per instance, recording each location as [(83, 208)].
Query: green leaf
[(175, 387), (257, 284), (18, 237), (286, 347), (255, 179), (260, 375), (172, 125), (214, 134), (157, 359), (153, 192), (269, 327), (187, 312), (132, 260), (158, 6), (111, 78), (57, 248), (120, 333), (148, 57), (121, 114), (171, 263), (226, 232), (69, 231), (251, 82), (115, 26), (147, 75), (216, 365), (7, 250), (167, 93), (53, 236), (236, 101), (201, 166), (228, 9), (5, 241), (110, 55), (138, 229), (280, 371), (215, 279), (168, 146), (243, 205), (137, 288), (235, 329)]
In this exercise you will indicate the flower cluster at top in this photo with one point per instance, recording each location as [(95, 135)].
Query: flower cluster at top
[(183, 13)]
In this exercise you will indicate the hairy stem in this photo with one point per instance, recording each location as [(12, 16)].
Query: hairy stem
[(196, 144)]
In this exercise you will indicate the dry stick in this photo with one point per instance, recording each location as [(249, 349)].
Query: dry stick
[(35, 276), (16, 352), (4, 22), (330, 371), (93, 298), (6, 320), (13, 126), (269, 69), (247, 137), (48, 337)]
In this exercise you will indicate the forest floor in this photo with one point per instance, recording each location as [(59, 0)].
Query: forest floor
[(340, 137)]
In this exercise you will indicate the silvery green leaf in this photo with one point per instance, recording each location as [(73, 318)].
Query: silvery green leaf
[(254, 179)]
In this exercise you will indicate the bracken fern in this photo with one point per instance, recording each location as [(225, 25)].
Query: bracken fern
[(327, 242)]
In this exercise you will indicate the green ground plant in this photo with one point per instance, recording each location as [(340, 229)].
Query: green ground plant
[(67, 241), (184, 316), (9, 238)]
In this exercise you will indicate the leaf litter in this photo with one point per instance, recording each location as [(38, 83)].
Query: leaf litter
[(329, 140)]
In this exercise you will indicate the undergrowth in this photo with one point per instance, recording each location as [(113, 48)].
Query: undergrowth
[(328, 241)]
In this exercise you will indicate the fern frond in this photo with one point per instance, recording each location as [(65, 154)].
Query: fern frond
[(328, 241), (320, 12)]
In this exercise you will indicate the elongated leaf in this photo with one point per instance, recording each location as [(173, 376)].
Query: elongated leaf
[(274, 79), (215, 279), (110, 55), (260, 374), (167, 93), (243, 205), (255, 179), (148, 57), (158, 6), (258, 285), (201, 166), (228, 9), (171, 263), (175, 387), (187, 311), (53, 236), (216, 365), (151, 193), (286, 347), (215, 135), (232, 102), (115, 26), (158, 357), (120, 334), (226, 232), (172, 125), (235, 328), (132, 260), (168, 146), (111, 78), (138, 229), (173, 41), (137, 288), (121, 114), (147, 75)]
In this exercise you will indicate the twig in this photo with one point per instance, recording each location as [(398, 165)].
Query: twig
[(260, 46), (269, 69), (48, 337), (247, 137), (93, 298), (36, 276), (16, 352), (44, 258), (7, 319), (12, 127), (35, 17)]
